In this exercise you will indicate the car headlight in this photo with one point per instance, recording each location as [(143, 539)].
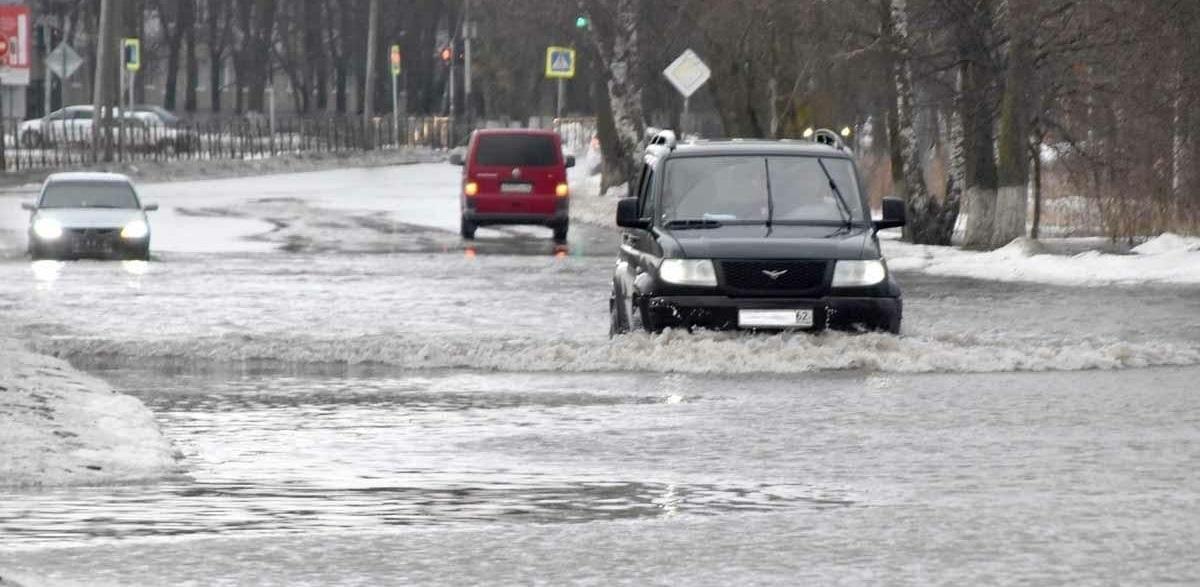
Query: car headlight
[(135, 229), (858, 273), (47, 228), (688, 272)]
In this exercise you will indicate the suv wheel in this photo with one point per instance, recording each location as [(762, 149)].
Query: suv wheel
[(618, 319), (467, 228), (560, 233)]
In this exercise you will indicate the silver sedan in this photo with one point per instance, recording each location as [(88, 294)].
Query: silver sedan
[(89, 215)]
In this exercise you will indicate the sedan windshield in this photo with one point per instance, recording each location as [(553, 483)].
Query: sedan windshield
[(88, 194), (756, 189)]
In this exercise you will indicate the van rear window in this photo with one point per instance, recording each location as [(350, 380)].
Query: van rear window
[(516, 151)]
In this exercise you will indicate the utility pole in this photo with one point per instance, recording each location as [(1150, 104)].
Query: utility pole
[(49, 83), (100, 92), (468, 32), (369, 86)]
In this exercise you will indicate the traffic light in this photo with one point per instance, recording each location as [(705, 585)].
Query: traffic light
[(447, 54), (582, 22)]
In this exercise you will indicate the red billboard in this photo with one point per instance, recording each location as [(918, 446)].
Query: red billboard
[(17, 35)]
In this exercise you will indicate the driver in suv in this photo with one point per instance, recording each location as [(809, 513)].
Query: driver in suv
[(753, 235)]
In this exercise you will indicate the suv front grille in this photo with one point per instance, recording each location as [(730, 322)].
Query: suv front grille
[(774, 277)]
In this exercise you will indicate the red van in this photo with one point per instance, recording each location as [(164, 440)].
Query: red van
[(514, 176)]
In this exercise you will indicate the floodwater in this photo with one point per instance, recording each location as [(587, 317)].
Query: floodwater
[(378, 477)]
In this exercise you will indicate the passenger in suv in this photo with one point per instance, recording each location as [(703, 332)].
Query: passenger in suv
[(514, 177), (756, 235)]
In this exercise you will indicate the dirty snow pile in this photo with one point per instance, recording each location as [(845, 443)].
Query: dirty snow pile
[(588, 205), (59, 426), (1166, 259)]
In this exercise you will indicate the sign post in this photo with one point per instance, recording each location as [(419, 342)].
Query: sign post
[(63, 62), (131, 62), (687, 73), (560, 65), (397, 61)]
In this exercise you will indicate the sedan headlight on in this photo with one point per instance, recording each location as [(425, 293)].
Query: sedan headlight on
[(135, 230), (688, 272), (47, 228), (858, 273)]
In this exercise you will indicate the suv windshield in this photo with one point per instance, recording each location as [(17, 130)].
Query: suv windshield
[(516, 151), (88, 194), (757, 189)]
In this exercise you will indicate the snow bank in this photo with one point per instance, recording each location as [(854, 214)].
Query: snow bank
[(1167, 244), (59, 426), (1167, 259), (670, 352)]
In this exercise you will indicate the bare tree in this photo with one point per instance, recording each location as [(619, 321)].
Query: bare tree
[(615, 26)]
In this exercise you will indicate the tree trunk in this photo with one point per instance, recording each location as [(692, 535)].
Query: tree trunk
[(216, 51), (617, 46), (1012, 197), (929, 221), (171, 82), (100, 97), (258, 60), (976, 109), (369, 74), (191, 56)]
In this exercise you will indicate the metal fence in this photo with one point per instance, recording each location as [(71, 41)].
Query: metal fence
[(64, 144)]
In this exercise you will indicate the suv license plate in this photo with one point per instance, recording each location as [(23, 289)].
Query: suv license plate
[(516, 188), (802, 318)]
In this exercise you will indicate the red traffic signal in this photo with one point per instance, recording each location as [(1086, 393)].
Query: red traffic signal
[(3, 48), (447, 54)]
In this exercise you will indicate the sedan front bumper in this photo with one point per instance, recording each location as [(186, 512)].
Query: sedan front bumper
[(89, 244)]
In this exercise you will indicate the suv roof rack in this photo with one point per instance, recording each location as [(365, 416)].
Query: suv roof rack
[(825, 136), (665, 138)]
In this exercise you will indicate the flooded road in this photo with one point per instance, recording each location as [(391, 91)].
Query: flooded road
[(373, 476)]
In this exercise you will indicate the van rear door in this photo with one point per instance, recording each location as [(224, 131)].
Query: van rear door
[(516, 173)]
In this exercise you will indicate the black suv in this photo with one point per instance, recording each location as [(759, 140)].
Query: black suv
[(756, 235)]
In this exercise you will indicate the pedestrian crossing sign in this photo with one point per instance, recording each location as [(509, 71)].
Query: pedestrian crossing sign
[(560, 63)]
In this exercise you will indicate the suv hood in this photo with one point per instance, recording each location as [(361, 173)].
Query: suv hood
[(775, 242), (92, 217)]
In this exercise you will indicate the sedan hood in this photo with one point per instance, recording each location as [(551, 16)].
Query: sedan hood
[(776, 242), (92, 217)]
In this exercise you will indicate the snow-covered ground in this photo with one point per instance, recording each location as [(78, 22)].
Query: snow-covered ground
[(60, 426), (1167, 258)]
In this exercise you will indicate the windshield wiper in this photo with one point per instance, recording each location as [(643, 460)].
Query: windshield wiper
[(693, 223), (843, 206)]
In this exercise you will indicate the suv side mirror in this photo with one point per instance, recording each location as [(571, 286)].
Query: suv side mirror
[(150, 207), (570, 161), (457, 159), (28, 206), (894, 214), (628, 216)]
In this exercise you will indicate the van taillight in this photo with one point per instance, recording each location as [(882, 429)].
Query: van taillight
[(471, 188)]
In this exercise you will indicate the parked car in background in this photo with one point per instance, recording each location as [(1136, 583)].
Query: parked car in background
[(72, 121), (752, 235), (514, 176), (88, 215), (146, 129), (164, 116)]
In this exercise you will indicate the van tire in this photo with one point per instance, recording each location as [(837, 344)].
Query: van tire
[(467, 229), (560, 233)]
